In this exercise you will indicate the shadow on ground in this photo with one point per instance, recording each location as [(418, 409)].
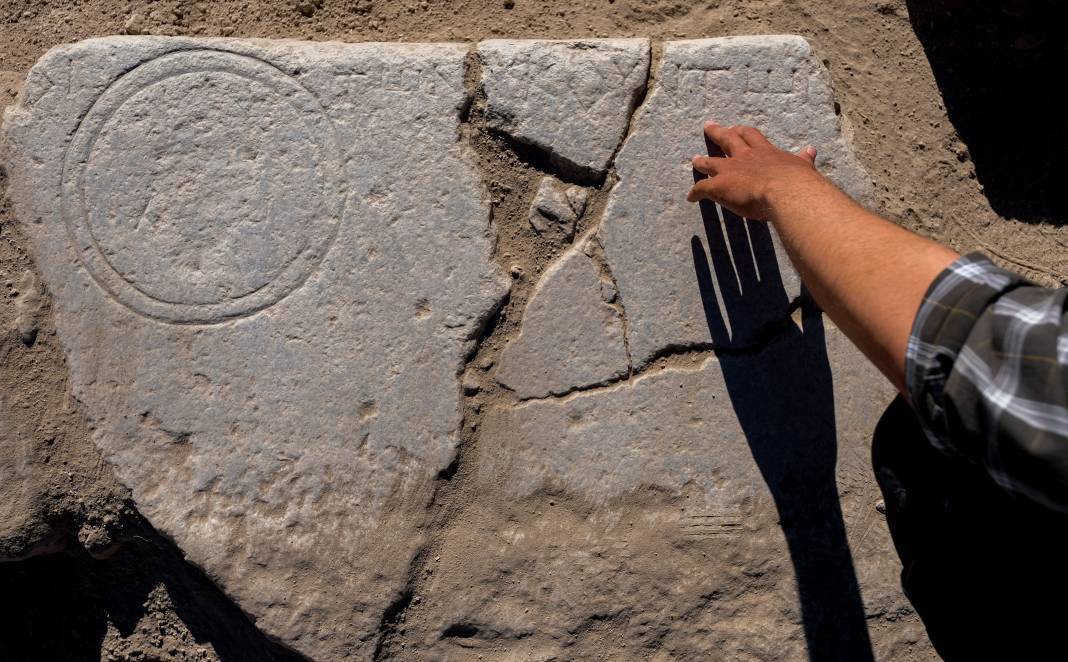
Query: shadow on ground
[(783, 396), (61, 606), (999, 67)]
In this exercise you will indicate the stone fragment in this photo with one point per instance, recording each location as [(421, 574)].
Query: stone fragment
[(774, 83), (470, 384), (308, 7), (556, 208), (608, 292), (571, 99), (268, 261), (577, 197), (134, 24), (10, 84), (569, 338), (29, 309), (28, 527), (693, 508)]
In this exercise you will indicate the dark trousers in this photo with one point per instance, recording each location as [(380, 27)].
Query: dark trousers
[(987, 572)]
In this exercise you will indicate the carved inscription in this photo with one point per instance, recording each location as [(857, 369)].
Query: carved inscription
[(202, 186), (706, 85)]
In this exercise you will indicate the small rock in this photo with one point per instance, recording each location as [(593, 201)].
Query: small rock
[(28, 308), (227, 31), (134, 24), (577, 198), (555, 209), (470, 384), (516, 271), (886, 7), (608, 291), (308, 8), (880, 506), (486, 362)]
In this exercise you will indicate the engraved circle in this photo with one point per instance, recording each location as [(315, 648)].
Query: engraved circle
[(202, 186)]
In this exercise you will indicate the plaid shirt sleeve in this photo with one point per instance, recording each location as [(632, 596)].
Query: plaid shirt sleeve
[(987, 372)]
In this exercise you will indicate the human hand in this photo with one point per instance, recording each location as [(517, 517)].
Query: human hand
[(753, 174)]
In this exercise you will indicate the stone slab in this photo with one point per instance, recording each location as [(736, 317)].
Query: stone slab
[(570, 338), (694, 508), (571, 99), (268, 262), (775, 83)]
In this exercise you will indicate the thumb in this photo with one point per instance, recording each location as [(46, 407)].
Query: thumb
[(808, 153)]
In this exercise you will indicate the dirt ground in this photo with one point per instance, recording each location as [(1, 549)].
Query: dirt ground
[(948, 109)]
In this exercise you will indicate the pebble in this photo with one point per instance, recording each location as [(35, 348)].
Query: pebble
[(133, 24), (470, 384), (608, 292)]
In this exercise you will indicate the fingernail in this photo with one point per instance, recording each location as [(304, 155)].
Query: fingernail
[(695, 158), (711, 123)]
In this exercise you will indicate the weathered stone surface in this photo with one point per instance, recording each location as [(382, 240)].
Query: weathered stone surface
[(774, 83), (570, 337), (719, 504), (572, 99), (691, 510), (678, 429), (268, 260), (556, 208)]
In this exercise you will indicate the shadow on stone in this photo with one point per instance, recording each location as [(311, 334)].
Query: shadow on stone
[(60, 607), (997, 65), (782, 394)]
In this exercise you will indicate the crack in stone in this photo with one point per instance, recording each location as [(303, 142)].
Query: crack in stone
[(652, 78), (652, 75), (681, 358), (485, 148), (451, 484)]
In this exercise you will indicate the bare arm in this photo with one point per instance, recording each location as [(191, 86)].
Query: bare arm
[(868, 274)]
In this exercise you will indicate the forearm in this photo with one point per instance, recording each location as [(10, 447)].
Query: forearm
[(867, 274)]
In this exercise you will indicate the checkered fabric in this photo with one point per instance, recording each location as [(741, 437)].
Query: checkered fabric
[(987, 372)]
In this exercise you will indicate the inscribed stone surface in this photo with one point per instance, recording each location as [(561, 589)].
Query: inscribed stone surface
[(268, 261), (774, 83), (572, 99)]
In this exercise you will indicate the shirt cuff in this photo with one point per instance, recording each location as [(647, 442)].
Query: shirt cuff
[(949, 312)]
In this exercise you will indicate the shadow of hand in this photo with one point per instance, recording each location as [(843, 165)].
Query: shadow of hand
[(781, 390)]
